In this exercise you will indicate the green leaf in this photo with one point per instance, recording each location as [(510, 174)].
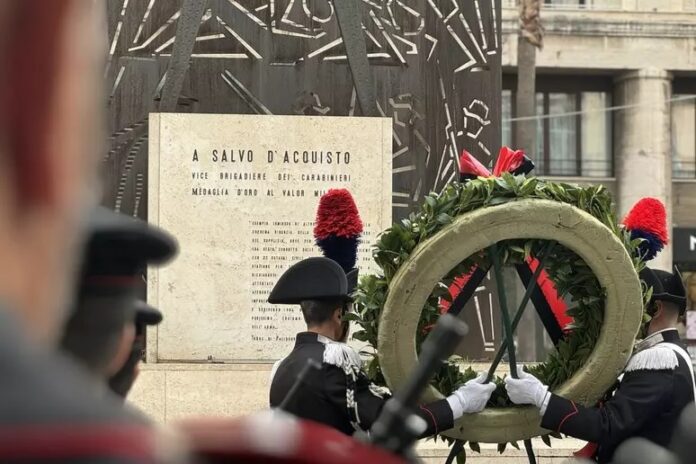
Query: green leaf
[(511, 181), (444, 218), (499, 201), (474, 447), (461, 457), (501, 447), (500, 182), (547, 440), (528, 187)]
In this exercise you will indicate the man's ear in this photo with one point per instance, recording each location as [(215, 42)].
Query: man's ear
[(659, 309)]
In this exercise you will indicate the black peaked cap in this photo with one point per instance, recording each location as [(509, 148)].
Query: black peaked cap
[(666, 286), (122, 245), (146, 314), (316, 278)]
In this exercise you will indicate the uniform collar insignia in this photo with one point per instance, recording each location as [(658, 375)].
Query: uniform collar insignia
[(662, 336)]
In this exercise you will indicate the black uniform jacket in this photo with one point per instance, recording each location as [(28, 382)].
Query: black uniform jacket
[(656, 386), (335, 398)]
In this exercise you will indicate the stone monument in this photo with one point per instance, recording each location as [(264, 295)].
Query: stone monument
[(240, 193)]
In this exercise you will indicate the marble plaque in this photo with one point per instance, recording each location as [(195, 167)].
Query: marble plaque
[(691, 325), (240, 194)]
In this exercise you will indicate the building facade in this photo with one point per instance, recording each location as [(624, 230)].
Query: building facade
[(616, 100)]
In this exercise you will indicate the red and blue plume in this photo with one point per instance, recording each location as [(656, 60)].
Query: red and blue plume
[(648, 220), (338, 227)]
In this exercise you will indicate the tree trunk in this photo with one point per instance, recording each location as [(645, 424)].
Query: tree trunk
[(531, 346), (525, 130)]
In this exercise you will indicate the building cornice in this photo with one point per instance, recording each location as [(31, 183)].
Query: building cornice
[(612, 24)]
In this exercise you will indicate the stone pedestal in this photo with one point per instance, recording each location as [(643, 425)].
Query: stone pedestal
[(170, 392), (642, 143)]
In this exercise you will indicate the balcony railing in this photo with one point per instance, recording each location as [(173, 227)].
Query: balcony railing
[(574, 4), (683, 169), (604, 5), (599, 168)]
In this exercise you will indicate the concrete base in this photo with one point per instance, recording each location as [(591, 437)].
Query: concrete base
[(561, 452), (168, 392)]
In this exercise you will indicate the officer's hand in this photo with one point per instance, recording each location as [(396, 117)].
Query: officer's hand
[(527, 389), (471, 397)]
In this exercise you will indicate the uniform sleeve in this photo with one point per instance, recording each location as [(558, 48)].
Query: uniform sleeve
[(643, 395), (438, 416), (369, 403)]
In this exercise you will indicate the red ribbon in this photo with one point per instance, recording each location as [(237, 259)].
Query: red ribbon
[(508, 161), (548, 289)]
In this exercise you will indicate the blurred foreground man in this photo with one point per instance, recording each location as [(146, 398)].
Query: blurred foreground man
[(50, 139), (657, 384), (338, 392), (101, 332)]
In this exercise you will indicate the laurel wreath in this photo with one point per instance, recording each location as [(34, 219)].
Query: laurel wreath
[(573, 278)]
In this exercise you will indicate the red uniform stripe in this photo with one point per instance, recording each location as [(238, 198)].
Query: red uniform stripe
[(432, 416), (568, 416), (135, 443)]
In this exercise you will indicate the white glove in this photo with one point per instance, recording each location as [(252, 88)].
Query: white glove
[(527, 389), (471, 397)]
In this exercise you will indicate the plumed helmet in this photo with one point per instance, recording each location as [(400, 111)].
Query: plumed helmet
[(337, 231), (647, 220)]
